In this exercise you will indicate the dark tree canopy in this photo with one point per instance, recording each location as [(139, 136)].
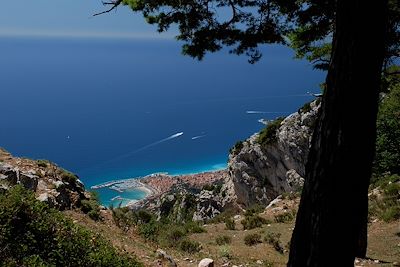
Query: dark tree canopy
[(209, 25)]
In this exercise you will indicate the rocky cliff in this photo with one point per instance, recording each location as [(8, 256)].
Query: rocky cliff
[(260, 168), (271, 162), (51, 184)]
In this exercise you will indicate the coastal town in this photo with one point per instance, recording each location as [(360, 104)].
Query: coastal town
[(159, 183)]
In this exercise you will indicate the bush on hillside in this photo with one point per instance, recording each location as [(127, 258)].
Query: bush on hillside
[(253, 210), (285, 217), (230, 224), (189, 246), (252, 239), (305, 108), (42, 163), (386, 206), (253, 221), (268, 134), (69, 177), (92, 207), (32, 234), (273, 239), (236, 148)]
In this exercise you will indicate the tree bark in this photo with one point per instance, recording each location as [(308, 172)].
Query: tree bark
[(334, 205)]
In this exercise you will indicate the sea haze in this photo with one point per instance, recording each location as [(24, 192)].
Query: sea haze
[(112, 108)]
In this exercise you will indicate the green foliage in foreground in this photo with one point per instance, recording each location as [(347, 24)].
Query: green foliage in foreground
[(163, 232), (32, 234), (387, 205), (387, 157), (91, 206), (268, 134)]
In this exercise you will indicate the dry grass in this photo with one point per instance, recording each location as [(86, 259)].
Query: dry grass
[(384, 242)]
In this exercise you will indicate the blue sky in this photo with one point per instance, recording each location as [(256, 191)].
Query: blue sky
[(71, 18)]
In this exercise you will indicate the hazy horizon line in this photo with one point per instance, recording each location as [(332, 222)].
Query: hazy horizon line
[(84, 34)]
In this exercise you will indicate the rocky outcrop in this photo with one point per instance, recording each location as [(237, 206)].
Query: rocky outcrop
[(208, 206), (51, 184), (260, 172)]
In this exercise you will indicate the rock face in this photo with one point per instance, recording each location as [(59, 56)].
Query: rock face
[(258, 174), (185, 205), (209, 205), (51, 184)]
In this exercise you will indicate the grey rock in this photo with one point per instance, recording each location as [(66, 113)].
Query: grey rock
[(58, 184), (208, 206), (259, 174), (207, 262), (164, 256), (274, 202), (44, 197)]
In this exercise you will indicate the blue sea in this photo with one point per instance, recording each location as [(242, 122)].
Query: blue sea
[(110, 109)]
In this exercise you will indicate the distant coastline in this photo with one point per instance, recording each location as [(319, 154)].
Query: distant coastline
[(155, 184)]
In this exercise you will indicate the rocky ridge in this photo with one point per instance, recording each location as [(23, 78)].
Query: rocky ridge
[(50, 183), (258, 173)]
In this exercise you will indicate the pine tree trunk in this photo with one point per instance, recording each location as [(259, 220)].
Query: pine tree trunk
[(334, 204)]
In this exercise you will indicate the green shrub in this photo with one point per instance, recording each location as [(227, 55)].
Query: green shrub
[(387, 156), (32, 234), (194, 227), (172, 236), (42, 163), (268, 134), (230, 224), (225, 252), (252, 239), (273, 239), (387, 206), (124, 217), (223, 240), (189, 246), (91, 207), (305, 108), (68, 177), (284, 217), (226, 214), (255, 209), (236, 148), (149, 230), (144, 216), (215, 188), (391, 214), (254, 221)]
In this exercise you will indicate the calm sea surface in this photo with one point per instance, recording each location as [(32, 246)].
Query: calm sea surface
[(111, 109)]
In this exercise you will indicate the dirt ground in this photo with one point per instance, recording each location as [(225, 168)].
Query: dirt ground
[(383, 242)]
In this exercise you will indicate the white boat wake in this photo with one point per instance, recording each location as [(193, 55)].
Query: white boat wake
[(148, 146), (198, 136)]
